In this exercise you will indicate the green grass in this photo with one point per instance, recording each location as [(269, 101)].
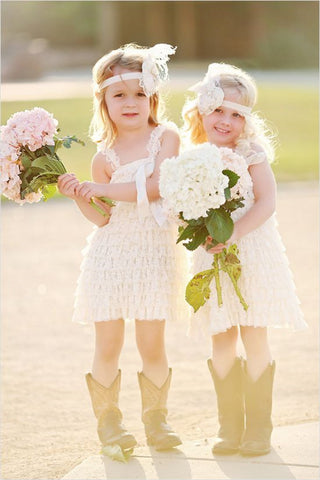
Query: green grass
[(292, 113)]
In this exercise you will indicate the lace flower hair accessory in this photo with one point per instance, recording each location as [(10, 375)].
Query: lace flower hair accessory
[(154, 69), (210, 95)]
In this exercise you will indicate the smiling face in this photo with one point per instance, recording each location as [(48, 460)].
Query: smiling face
[(225, 125), (128, 106)]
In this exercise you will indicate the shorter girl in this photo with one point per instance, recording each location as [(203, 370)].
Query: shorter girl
[(221, 114), (131, 267)]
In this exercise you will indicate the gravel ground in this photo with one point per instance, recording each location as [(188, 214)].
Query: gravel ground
[(47, 423)]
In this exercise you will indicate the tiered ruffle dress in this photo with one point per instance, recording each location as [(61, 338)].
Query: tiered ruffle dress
[(266, 281), (132, 267)]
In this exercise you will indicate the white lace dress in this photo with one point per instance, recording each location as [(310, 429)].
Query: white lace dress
[(266, 281), (132, 267)]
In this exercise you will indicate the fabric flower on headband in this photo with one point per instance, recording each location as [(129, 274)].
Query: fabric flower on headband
[(210, 95), (154, 67)]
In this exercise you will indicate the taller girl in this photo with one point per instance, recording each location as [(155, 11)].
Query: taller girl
[(222, 114), (131, 268)]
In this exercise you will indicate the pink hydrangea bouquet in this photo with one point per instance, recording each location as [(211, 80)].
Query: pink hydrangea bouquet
[(201, 193), (29, 164)]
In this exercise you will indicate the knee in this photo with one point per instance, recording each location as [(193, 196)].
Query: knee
[(254, 339), (152, 352), (108, 351), (226, 340)]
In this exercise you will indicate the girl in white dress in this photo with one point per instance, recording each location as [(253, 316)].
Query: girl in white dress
[(221, 114), (132, 268)]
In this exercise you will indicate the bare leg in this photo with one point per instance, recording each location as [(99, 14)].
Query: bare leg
[(224, 351), (255, 341), (109, 342), (151, 346)]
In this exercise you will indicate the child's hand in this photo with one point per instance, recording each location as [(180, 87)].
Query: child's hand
[(87, 190), (67, 184), (216, 249)]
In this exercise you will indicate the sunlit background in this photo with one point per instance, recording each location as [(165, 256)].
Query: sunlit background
[(49, 48)]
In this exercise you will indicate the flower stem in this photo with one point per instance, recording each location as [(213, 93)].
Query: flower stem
[(217, 278), (99, 209), (242, 300)]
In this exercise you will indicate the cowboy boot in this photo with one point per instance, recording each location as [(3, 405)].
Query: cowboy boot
[(105, 406), (258, 406), (154, 412), (230, 408)]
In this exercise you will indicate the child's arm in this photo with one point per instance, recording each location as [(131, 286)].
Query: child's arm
[(264, 189), (68, 183), (127, 192)]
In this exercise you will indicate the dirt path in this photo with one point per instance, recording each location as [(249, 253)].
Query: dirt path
[(47, 424)]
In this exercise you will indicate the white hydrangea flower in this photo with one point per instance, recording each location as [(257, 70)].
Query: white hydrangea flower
[(193, 182), (235, 162)]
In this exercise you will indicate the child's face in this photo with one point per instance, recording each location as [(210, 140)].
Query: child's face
[(225, 125), (128, 106)]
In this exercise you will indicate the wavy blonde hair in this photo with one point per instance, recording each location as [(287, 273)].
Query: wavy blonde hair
[(129, 56), (255, 130)]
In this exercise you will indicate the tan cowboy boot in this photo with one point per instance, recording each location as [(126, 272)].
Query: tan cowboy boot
[(258, 405), (105, 406), (230, 403), (154, 412)]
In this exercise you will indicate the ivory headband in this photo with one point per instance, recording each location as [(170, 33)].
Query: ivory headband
[(236, 106), (120, 78)]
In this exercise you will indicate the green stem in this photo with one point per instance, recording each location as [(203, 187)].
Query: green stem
[(99, 209), (242, 300), (217, 278)]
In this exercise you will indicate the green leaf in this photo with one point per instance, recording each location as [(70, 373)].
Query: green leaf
[(115, 452), (48, 191), (186, 232), (49, 164), (233, 177), (198, 289), (227, 193), (198, 238), (67, 141), (232, 205), (219, 224), (25, 160)]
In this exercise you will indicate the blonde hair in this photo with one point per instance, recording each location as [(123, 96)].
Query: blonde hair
[(129, 56), (255, 130)]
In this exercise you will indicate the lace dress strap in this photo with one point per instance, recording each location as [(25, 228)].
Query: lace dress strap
[(154, 144), (110, 154), (143, 172)]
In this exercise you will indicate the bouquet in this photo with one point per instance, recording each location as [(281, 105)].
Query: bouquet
[(201, 193), (29, 164)]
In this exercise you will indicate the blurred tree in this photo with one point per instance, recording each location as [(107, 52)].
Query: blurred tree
[(260, 34)]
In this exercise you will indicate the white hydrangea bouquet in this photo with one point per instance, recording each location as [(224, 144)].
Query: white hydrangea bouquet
[(29, 164), (201, 194)]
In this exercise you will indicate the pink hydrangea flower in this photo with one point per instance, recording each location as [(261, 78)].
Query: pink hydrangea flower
[(30, 128)]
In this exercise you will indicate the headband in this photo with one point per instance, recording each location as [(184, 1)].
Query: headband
[(120, 78), (154, 69), (237, 106), (210, 96)]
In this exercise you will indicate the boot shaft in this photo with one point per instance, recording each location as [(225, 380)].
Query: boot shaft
[(104, 399), (258, 396), (153, 398), (229, 389)]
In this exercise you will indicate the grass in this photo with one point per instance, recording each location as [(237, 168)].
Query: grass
[(291, 112)]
